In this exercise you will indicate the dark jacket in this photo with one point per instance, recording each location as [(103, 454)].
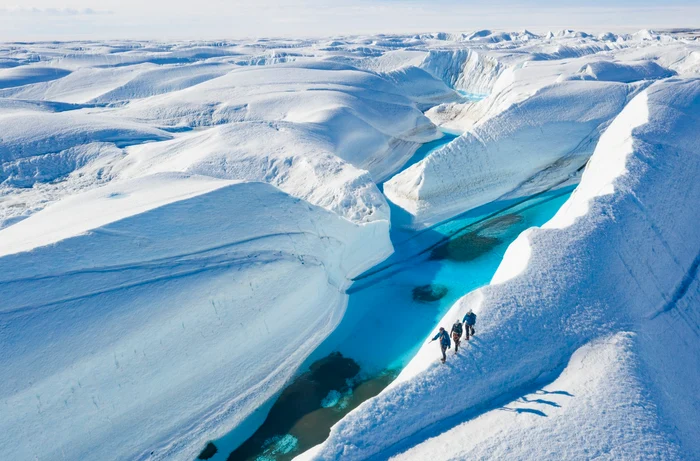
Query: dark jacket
[(470, 319), (444, 338), (457, 328)]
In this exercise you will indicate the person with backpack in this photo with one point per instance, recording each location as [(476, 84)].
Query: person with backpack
[(469, 322), (456, 334), (444, 342)]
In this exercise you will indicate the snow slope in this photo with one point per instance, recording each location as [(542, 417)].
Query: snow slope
[(164, 205), (346, 127), (611, 279), (366, 118), (137, 318), (124, 221)]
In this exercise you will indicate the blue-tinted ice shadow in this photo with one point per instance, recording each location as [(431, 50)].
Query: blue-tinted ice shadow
[(385, 324), (524, 410)]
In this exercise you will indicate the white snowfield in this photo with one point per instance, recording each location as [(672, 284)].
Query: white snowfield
[(587, 338), (145, 330), (170, 210)]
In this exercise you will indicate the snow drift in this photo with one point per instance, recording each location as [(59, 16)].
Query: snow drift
[(624, 72)]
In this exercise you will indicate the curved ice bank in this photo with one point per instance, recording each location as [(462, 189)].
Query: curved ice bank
[(550, 134), (143, 318), (620, 258)]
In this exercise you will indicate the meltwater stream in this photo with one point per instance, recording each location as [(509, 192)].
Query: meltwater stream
[(391, 311)]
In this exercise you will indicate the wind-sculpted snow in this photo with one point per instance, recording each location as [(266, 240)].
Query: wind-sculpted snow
[(624, 72), (261, 152), (158, 81), (618, 265), (128, 337), (330, 118), (31, 134), (19, 76)]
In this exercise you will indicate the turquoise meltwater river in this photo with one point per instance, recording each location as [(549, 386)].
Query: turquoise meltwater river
[(392, 310)]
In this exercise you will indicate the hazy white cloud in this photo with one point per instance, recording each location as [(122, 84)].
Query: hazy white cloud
[(217, 19), (34, 11)]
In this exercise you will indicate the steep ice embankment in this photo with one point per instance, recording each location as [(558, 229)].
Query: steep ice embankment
[(600, 374), (553, 130), (421, 87), (533, 130), (464, 69), (145, 317), (613, 278)]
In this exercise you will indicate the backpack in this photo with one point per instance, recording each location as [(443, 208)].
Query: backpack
[(471, 319), (457, 328), (445, 339)]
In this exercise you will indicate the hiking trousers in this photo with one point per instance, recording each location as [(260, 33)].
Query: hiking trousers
[(455, 338), (469, 332)]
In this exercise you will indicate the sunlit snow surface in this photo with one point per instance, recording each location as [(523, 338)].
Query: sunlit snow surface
[(179, 222)]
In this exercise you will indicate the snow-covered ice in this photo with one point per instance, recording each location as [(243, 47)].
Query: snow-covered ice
[(614, 272), (179, 224), (140, 321)]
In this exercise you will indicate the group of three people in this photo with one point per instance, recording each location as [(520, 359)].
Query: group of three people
[(469, 321)]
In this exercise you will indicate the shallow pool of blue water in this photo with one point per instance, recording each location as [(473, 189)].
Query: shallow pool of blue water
[(471, 96), (389, 316), (392, 310), (427, 148)]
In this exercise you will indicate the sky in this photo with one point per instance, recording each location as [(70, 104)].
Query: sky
[(232, 19)]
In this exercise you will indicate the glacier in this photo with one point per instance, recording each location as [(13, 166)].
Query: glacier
[(182, 226)]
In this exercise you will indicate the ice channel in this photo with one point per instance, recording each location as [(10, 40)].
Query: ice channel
[(391, 311)]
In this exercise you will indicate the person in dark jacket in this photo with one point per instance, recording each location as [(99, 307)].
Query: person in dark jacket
[(469, 322), (444, 342), (456, 333)]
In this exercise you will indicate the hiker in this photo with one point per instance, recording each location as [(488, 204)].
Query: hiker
[(469, 321), (456, 333), (444, 342)]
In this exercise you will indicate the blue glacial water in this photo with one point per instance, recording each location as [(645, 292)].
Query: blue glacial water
[(471, 96), (392, 310), (424, 150)]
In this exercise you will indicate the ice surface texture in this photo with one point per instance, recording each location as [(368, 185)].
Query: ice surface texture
[(614, 272), (179, 223)]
